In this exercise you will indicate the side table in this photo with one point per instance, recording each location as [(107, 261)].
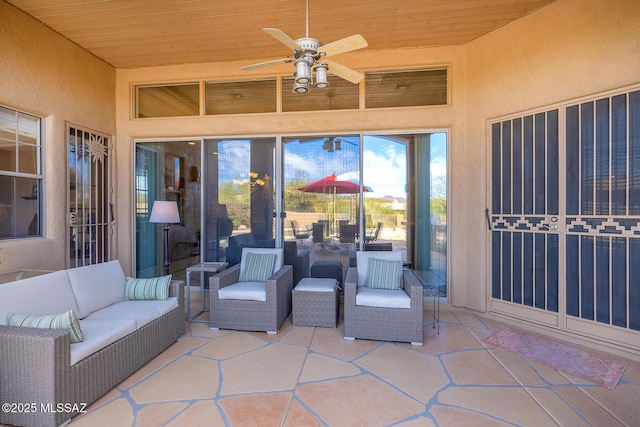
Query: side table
[(434, 292), (315, 302), (208, 267)]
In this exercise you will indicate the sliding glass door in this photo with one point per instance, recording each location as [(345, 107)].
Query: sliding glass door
[(322, 195), (345, 193), (170, 171), (407, 208), (339, 194), (238, 199)]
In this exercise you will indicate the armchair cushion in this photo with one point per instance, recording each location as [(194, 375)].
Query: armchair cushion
[(362, 262), (257, 267), (384, 274), (248, 291), (153, 288), (66, 321), (278, 251), (386, 298)]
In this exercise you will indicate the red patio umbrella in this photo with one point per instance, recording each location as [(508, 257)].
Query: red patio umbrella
[(332, 185)]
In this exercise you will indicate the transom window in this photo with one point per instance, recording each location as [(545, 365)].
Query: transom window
[(382, 89)]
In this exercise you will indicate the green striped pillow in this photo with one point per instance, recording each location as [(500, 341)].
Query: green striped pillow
[(147, 289), (384, 274), (257, 267), (66, 321)]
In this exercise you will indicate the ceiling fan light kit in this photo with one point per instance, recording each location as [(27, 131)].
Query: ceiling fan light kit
[(309, 54), (300, 87), (303, 69), (321, 75)]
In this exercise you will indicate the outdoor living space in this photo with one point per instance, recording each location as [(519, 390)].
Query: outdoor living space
[(494, 144), (306, 376)]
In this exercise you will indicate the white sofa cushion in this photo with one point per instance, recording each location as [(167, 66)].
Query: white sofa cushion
[(250, 291), (142, 312), (99, 334), (382, 298), (362, 262), (40, 295), (97, 286)]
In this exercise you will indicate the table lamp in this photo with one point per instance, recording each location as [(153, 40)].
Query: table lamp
[(165, 212)]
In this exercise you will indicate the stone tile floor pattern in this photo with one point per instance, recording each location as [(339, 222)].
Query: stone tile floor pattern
[(308, 376)]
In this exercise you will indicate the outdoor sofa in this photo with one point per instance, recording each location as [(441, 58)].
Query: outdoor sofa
[(43, 376)]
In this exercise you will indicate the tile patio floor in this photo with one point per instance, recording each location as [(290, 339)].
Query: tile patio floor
[(307, 376)]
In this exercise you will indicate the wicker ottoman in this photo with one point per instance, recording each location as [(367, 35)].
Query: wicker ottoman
[(315, 303)]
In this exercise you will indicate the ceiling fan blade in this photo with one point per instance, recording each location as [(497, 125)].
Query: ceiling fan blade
[(344, 72), (283, 38), (346, 44), (266, 64)]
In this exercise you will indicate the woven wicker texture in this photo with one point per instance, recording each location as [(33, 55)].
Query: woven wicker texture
[(385, 324), (35, 365), (315, 308), (251, 315)]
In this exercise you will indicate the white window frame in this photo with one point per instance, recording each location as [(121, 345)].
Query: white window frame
[(8, 126)]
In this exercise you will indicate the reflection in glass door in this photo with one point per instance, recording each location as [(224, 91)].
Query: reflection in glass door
[(407, 209), (428, 191), (321, 195), (147, 189), (399, 203), (340, 193), (167, 170), (238, 197)]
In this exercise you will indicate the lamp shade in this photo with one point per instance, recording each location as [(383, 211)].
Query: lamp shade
[(164, 212)]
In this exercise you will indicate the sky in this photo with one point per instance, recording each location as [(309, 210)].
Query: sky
[(384, 161)]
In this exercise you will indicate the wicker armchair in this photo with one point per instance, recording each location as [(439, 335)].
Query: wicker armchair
[(239, 308), (380, 322)]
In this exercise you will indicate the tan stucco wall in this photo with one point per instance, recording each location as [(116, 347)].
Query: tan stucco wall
[(570, 49), (44, 74)]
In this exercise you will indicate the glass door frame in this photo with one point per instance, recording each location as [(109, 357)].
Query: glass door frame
[(411, 207), (279, 176)]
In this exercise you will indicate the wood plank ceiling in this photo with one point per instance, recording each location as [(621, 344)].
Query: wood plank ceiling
[(143, 33)]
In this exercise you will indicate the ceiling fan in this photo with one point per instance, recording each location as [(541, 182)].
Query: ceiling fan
[(330, 144), (309, 56)]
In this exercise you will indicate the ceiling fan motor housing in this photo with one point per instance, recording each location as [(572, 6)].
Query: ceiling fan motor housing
[(309, 44)]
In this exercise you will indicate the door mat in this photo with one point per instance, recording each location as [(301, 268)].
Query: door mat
[(601, 370)]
